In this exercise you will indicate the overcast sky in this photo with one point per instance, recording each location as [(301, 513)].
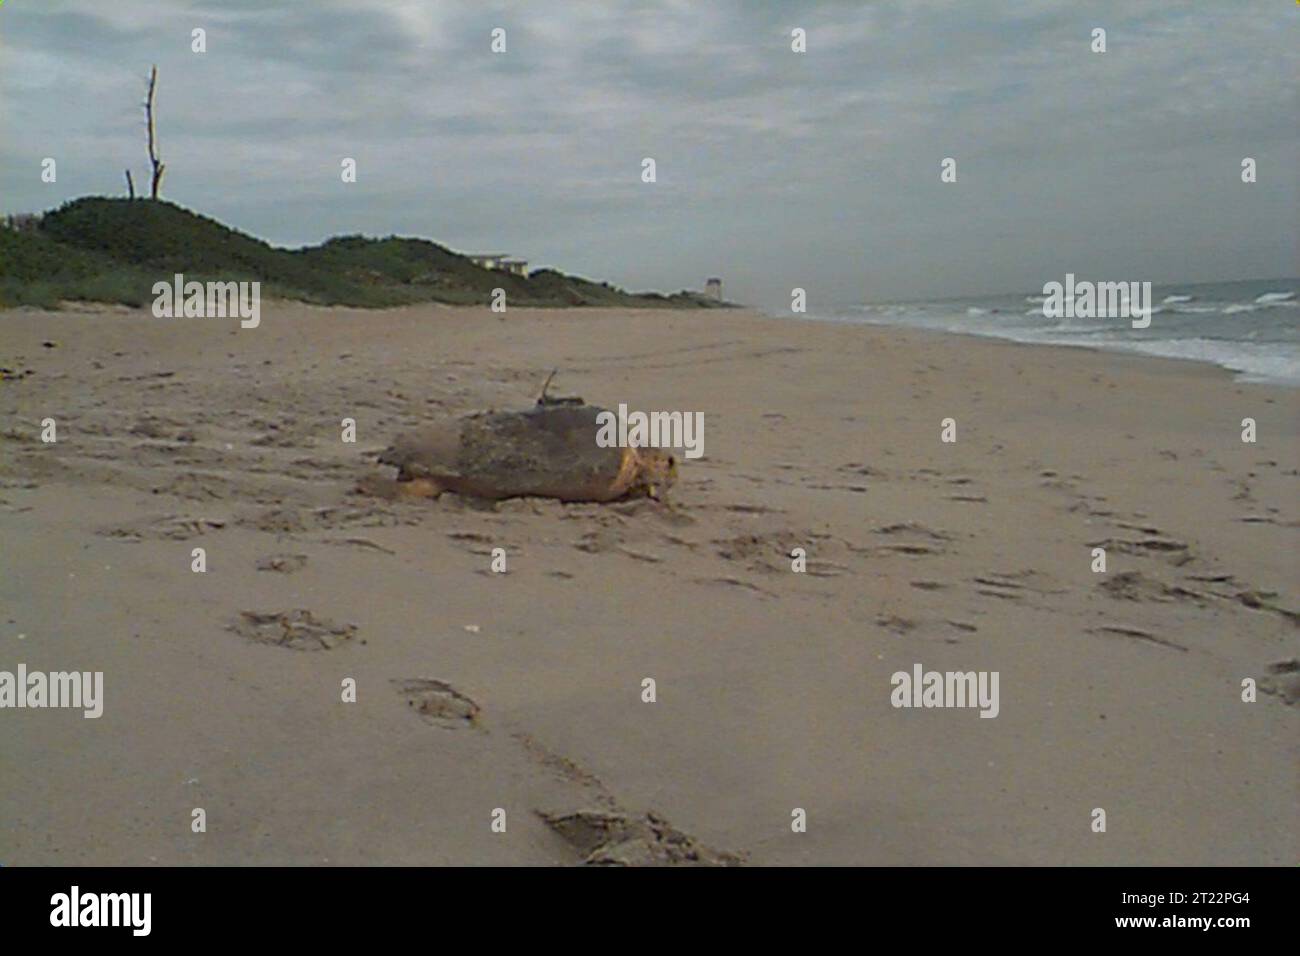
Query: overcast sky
[(775, 169)]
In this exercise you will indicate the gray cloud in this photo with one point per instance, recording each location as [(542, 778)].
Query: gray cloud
[(775, 169)]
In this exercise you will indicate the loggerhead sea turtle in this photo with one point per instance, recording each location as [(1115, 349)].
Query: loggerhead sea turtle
[(547, 451)]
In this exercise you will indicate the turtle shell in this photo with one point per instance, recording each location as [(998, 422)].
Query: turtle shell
[(547, 450)]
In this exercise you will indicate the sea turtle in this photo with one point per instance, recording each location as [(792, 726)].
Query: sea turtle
[(548, 451)]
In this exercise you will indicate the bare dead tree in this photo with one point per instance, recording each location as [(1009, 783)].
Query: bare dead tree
[(158, 166), (130, 185)]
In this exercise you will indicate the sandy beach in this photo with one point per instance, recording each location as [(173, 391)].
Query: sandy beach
[(479, 691)]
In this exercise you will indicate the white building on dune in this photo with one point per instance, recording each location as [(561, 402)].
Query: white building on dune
[(500, 261)]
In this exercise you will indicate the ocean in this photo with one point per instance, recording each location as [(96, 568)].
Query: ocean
[(1251, 327)]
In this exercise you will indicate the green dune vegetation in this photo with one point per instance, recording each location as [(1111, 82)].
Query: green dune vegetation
[(113, 250)]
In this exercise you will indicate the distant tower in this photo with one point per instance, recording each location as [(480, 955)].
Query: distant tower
[(713, 287)]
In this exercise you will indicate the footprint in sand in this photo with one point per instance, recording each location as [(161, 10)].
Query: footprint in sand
[(766, 552), (1283, 681), (1258, 600), (896, 624), (297, 630), (1136, 586), (909, 538), (165, 527), (1175, 552), (438, 703), (283, 563), (599, 541), (195, 486), (605, 838)]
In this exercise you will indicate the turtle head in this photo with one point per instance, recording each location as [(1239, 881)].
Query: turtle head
[(658, 472)]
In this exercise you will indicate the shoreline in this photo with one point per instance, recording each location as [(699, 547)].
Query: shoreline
[(1238, 375)]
